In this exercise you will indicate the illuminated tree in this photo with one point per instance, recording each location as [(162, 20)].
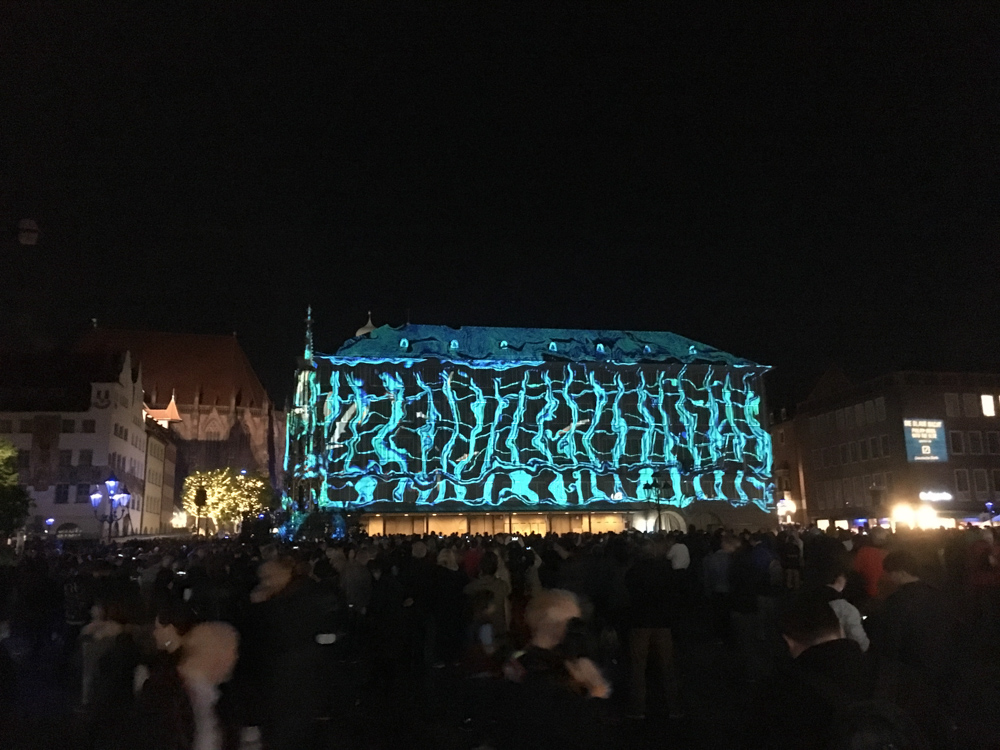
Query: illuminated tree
[(15, 502), (228, 495)]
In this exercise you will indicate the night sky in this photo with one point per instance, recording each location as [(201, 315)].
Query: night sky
[(797, 185)]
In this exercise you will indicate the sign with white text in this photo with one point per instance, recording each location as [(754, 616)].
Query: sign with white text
[(925, 440)]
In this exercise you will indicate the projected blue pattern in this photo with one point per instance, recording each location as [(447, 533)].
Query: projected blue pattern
[(489, 432)]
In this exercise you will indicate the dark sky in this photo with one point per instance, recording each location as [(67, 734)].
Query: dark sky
[(797, 185)]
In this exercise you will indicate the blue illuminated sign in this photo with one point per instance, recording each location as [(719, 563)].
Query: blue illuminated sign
[(925, 440), (487, 426)]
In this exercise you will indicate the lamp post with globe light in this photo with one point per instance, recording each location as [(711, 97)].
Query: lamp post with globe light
[(118, 501)]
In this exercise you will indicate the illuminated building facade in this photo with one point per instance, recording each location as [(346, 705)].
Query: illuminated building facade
[(923, 446), (426, 428)]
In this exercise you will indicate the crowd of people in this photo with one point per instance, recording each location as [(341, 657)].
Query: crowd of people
[(830, 639)]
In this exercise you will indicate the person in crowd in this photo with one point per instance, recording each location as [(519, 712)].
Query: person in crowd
[(292, 627), (868, 559), (790, 556), (913, 642), (832, 591), (678, 553), (448, 608), (552, 704), (821, 700), (654, 593), (717, 586), (184, 707), (488, 580)]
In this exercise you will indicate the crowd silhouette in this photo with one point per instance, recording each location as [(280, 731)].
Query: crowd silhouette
[(801, 638)]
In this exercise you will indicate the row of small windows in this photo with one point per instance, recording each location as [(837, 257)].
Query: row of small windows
[(869, 449), (849, 418), (980, 483), (971, 442), (970, 404), (85, 457), (860, 492), (121, 432), (27, 426)]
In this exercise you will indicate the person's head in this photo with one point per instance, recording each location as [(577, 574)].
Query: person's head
[(489, 564), (210, 652), (809, 622), (729, 543), (419, 550), (901, 567), (173, 621), (276, 574), (446, 559), (547, 615), (835, 575)]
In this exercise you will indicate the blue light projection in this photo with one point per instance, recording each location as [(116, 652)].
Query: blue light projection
[(516, 422)]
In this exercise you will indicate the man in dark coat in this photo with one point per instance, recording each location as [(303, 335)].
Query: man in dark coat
[(655, 595)]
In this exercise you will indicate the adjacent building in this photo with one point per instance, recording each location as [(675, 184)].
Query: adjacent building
[(203, 389), (427, 428), (75, 420), (921, 448)]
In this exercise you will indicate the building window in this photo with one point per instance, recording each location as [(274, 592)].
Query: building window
[(86, 457), (83, 493), (843, 454), (979, 482), (863, 449), (989, 405), (996, 480), (853, 450), (873, 449), (62, 494), (951, 405), (849, 417), (962, 480), (956, 443), (970, 405), (859, 415), (25, 426), (69, 425), (975, 442), (884, 441), (870, 412), (5, 426), (23, 459), (880, 409), (993, 443), (88, 425), (826, 458), (65, 458), (212, 435), (839, 418)]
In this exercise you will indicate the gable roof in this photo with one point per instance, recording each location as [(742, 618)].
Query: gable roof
[(184, 364), (532, 345)]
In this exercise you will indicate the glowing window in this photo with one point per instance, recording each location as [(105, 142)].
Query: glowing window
[(600, 350), (454, 343), (989, 406), (404, 343), (553, 347)]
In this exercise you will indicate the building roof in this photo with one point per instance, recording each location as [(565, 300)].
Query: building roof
[(532, 345), (55, 381), (167, 414), (211, 368)]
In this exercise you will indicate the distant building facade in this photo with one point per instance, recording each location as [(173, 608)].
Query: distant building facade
[(75, 419), (217, 410), (161, 465), (428, 428), (926, 441)]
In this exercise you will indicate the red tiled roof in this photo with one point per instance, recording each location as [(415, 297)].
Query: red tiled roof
[(185, 364)]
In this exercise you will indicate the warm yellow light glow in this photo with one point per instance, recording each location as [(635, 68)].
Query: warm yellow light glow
[(927, 517), (179, 520), (903, 514), (228, 495), (989, 406)]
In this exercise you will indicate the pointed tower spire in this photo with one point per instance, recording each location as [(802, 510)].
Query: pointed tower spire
[(309, 335)]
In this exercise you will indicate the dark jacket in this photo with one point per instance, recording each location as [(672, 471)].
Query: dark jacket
[(164, 716), (798, 707), (654, 593)]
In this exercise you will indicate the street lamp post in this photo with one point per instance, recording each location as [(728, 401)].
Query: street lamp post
[(118, 500)]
